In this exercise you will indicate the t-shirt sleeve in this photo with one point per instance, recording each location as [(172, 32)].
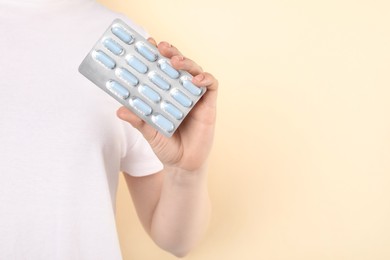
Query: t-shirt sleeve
[(138, 158)]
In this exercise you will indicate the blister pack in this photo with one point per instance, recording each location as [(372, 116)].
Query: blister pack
[(130, 69)]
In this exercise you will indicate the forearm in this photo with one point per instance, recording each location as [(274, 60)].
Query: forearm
[(183, 211), (174, 206)]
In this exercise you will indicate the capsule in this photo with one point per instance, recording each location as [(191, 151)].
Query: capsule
[(136, 64), (140, 106), (168, 69), (172, 110), (117, 89), (145, 51), (127, 76), (122, 34), (163, 123), (188, 85), (104, 59), (113, 46), (181, 98), (159, 81), (149, 93)]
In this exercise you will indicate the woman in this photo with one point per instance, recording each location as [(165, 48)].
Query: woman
[(62, 147)]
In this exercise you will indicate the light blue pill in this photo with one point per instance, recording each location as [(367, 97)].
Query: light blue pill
[(188, 85), (136, 64), (168, 69), (163, 123), (122, 34), (141, 106), (104, 59), (149, 93), (127, 76), (145, 51), (172, 110), (117, 89), (181, 98), (113, 46), (159, 81)]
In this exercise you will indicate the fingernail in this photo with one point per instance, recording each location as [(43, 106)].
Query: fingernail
[(166, 44), (177, 58), (199, 77), (151, 39), (120, 114)]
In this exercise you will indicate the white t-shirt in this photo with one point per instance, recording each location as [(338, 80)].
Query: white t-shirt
[(61, 145)]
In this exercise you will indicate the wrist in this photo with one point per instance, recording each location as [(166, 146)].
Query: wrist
[(181, 176)]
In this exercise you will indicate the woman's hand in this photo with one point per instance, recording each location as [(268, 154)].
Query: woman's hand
[(190, 145)]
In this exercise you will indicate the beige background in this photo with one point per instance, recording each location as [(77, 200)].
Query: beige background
[(300, 167)]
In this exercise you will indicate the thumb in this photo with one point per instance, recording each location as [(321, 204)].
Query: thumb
[(146, 130)]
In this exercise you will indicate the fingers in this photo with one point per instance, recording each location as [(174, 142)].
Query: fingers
[(207, 80), (177, 59), (182, 63), (152, 41), (168, 50), (179, 62)]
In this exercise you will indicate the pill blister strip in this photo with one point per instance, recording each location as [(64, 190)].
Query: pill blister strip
[(130, 69)]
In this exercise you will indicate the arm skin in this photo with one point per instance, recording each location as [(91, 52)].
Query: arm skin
[(173, 205)]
